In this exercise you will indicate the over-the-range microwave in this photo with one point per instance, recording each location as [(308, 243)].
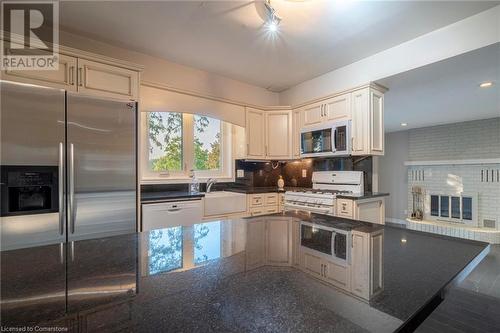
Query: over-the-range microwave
[(326, 139)]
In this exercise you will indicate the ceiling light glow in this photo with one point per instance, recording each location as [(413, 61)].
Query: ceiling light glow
[(273, 19), (404, 124), (486, 84), (272, 26)]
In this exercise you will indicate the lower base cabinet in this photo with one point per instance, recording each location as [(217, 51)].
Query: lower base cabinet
[(269, 242), (367, 264), (338, 275), (326, 270), (363, 277), (256, 240), (368, 210)]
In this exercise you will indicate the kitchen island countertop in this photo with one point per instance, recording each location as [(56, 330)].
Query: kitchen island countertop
[(194, 276)]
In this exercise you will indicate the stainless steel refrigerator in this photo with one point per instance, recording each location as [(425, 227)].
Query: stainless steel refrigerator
[(68, 168)]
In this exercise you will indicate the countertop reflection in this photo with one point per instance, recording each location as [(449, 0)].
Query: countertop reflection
[(223, 276)]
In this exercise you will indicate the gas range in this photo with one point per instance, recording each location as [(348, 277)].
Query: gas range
[(326, 185)]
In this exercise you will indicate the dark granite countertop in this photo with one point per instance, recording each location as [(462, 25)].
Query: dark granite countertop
[(366, 195), (213, 276), (159, 196), (151, 197), (257, 190)]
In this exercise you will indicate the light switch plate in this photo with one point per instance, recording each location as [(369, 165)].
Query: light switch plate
[(304, 173), (240, 173)]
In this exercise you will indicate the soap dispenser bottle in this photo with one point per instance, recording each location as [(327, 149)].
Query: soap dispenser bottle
[(281, 183), (194, 187)]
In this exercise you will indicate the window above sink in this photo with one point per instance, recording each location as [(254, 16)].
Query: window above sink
[(176, 144)]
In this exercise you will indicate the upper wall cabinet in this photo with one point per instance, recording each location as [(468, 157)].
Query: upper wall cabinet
[(314, 113), (335, 108), (255, 133), (82, 72), (268, 134), (365, 107), (63, 78), (367, 122), (106, 80), (338, 108), (278, 134)]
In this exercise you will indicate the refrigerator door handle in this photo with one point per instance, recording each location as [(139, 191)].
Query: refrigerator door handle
[(61, 188), (71, 205)]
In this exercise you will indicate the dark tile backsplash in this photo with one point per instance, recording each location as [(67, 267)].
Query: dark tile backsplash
[(263, 174)]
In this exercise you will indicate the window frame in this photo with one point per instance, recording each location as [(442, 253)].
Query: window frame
[(225, 172), (210, 173)]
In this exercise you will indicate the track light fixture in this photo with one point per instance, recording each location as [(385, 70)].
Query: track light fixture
[(273, 19)]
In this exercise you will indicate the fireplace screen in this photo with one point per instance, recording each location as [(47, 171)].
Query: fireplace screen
[(451, 208)]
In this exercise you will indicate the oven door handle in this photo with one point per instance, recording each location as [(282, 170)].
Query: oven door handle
[(61, 188), (308, 208)]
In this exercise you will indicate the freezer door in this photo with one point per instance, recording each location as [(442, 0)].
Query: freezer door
[(32, 138), (101, 146)]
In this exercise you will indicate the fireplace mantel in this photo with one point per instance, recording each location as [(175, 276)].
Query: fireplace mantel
[(454, 162)]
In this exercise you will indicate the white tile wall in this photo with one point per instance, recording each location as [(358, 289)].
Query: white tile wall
[(468, 140)]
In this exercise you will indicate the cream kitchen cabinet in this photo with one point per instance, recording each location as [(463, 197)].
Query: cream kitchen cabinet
[(62, 78), (263, 204), (296, 126), (338, 108), (332, 109), (326, 270), (107, 80), (255, 133), (269, 242), (314, 114), (338, 275), (367, 264), (345, 208), (81, 74), (281, 202), (278, 242), (278, 135), (368, 210), (256, 242), (367, 106), (269, 134)]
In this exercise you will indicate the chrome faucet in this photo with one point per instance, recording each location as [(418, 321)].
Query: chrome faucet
[(210, 182)]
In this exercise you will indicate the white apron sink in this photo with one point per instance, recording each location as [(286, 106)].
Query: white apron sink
[(224, 203)]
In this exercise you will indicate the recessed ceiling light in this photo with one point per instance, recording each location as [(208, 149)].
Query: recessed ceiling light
[(486, 84), (404, 124)]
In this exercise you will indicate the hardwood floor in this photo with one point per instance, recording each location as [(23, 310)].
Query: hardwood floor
[(472, 306)]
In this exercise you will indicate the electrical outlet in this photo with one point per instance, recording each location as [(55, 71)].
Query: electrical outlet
[(240, 173), (304, 173)]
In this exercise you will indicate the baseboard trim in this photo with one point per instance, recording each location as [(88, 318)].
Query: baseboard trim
[(394, 220)]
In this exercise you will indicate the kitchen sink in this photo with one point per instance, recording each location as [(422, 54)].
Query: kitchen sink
[(224, 203)]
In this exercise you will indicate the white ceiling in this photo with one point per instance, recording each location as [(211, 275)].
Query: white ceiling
[(228, 37), (444, 92)]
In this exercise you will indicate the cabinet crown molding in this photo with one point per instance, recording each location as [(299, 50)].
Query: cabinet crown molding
[(81, 54)]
